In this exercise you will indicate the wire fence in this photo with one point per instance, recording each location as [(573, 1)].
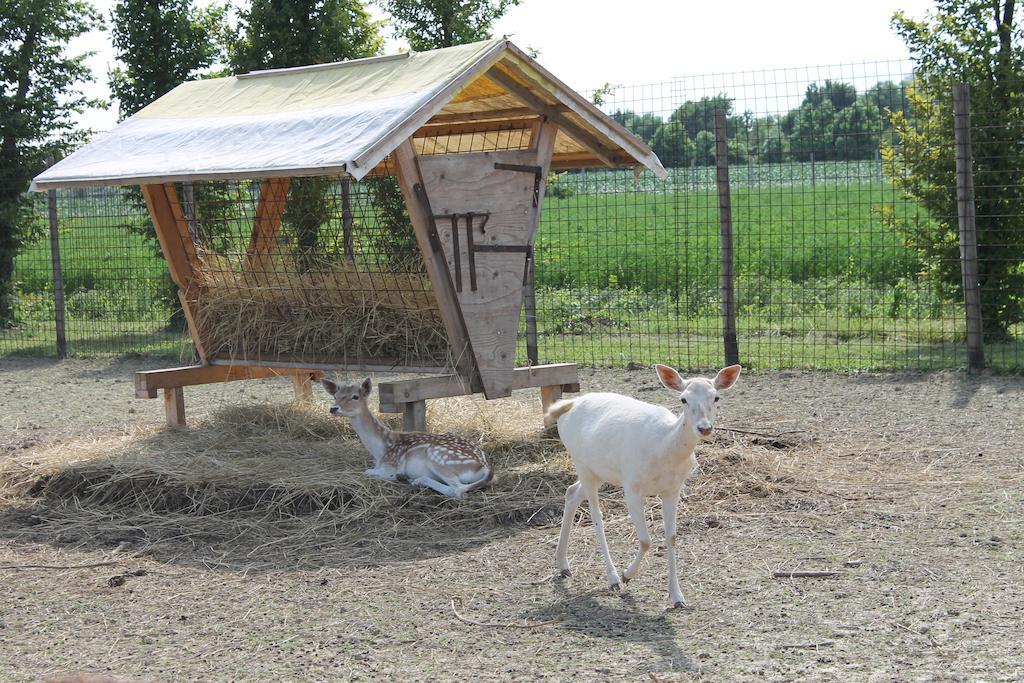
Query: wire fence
[(842, 187)]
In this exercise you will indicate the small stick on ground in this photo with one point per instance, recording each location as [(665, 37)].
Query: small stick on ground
[(495, 625), (804, 574), (806, 646), (57, 566)]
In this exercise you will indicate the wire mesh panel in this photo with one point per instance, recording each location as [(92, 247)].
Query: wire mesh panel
[(309, 270), (117, 295), (844, 219)]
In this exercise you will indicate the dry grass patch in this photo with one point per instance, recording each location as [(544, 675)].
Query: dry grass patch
[(262, 484)]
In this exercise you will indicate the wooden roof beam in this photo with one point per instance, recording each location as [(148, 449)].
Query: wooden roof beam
[(553, 113), (490, 115)]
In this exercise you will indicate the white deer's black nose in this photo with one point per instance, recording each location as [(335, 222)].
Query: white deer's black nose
[(706, 431), (335, 410)]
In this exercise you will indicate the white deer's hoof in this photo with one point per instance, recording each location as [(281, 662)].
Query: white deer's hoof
[(615, 587), (680, 604), (565, 574)]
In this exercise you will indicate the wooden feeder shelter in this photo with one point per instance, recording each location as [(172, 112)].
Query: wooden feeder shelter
[(470, 133)]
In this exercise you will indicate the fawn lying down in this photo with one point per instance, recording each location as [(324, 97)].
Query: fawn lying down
[(448, 464)]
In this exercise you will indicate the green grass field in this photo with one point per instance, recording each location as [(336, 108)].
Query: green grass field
[(622, 275)]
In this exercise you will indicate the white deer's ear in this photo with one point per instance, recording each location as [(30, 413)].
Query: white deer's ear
[(365, 387), (670, 378), (726, 377), (329, 386)]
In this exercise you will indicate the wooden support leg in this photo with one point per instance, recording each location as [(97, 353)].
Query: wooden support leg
[(548, 395), (303, 387), (414, 416), (174, 406)]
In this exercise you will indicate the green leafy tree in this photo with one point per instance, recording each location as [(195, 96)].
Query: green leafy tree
[(160, 44), (672, 145), (40, 92), (976, 42), (644, 126), (431, 24), (283, 33), (704, 148), (857, 131)]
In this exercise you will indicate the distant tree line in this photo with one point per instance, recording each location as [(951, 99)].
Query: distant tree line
[(832, 122)]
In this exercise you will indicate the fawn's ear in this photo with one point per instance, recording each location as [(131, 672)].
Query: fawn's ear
[(726, 377), (670, 378), (365, 387), (329, 386)]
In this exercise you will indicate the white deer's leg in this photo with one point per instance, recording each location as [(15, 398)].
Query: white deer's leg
[(574, 496), (591, 485), (384, 473), (635, 505), (443, 489), (668, 506)]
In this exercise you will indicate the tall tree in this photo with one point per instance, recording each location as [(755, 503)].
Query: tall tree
[(977, 42), (430, 24), (160, 44), (283, 33), (40, 92)]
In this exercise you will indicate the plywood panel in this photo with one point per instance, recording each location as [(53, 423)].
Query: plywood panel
[(479, 209)]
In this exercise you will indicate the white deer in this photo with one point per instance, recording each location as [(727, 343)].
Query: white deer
[(646, 449), (448, 464)]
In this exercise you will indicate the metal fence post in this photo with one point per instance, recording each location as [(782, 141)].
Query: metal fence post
[(58, 277), (968, 227), (732, 353)]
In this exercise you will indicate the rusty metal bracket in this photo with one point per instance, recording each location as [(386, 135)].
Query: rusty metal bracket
[(537, 171), (472, 248)]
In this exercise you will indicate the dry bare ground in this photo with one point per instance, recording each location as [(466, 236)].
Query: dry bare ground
[(251, 548)]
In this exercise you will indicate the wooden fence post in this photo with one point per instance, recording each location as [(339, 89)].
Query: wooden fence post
[(58, 276), (732, 353), (968, 228)]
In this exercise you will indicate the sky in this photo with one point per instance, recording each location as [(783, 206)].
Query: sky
[(588, 43)]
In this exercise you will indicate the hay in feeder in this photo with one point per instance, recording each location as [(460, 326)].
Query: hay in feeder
[(324, 311)]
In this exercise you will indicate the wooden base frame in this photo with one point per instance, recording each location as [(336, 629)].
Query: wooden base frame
[(174, 380), (409, 397)]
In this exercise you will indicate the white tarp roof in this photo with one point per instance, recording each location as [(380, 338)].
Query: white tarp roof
[(344, 117)]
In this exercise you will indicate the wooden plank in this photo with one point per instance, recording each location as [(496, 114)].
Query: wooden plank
[(548, 395), (489, 115), (302, 383), (433, 257), (167, 234), (370, 365), (149, 381), (420, 389), (190, 320), (181, 223), (491, 256), (414, 416), (528, 97), (452, 129), (968, 227), (174, 406), (732, 353), (267, 222), (543, 142)]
